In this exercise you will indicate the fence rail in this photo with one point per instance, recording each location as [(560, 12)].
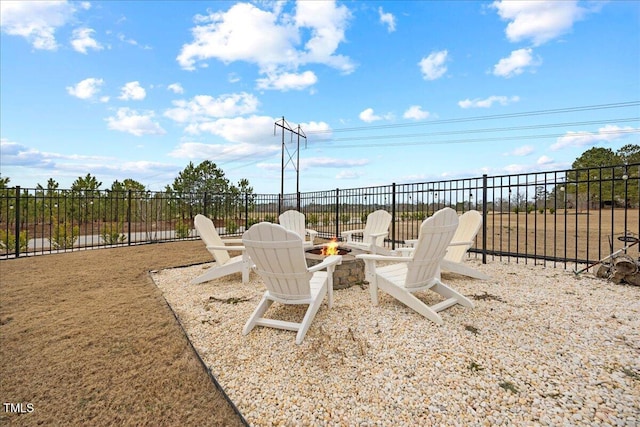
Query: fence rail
[(567, 217)]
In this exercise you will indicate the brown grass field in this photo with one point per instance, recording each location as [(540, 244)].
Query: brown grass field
[(544, 235), (86, 338)]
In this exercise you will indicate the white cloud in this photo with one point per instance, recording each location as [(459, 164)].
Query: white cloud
[(286, 81), (138, 124), (387, 19), (86, 89), (516, 63), (36, 21), (132, 42), (488, 102), (607, 133), (273, 40), (331, 162), (15, 154), (349, 174), (223, 152), (538, 21), (525, 150), (82, 40), (252, 129), (316, 131), (415, 112), (433, 66), (132, 91), (204, 107), (176, 88), (544, 160), (368, 116)]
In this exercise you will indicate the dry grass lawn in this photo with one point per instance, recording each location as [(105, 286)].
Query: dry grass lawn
[(86, 338)]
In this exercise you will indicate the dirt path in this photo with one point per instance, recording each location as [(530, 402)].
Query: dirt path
[(86, 338)]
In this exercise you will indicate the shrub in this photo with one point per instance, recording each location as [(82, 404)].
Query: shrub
[(552, 211), (8, 241), (183, 229), (345, 218), (270, 218), (541, 210), (230, 226), (111, 234), (363, 217), (312, 219), (64, 235), (253, 220)]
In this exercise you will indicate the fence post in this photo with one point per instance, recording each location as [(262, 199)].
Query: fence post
[(484, 218), (337, 213), (17, 229), (246, 211), (393, 216), (129, 216)]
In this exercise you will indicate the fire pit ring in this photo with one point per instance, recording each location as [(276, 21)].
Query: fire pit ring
[(347, 274)]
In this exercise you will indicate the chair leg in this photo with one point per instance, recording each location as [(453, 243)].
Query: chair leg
[(460, 268), (369, 267), (448, 292), (264, 305), (309, 316), (410, 300), (246, 268)]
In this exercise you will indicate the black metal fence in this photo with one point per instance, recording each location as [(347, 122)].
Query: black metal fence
[(567, 217)]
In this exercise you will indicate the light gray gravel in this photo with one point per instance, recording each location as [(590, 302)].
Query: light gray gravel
[(542, 347)]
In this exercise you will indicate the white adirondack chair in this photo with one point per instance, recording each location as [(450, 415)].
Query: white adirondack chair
[(373, 234), (219, 248), (295, 221), (470, 223), (420, 270), (279, 259), (469, 226)]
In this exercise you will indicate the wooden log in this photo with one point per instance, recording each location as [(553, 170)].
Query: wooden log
[(633, 279), (603, 271), (625, 265)]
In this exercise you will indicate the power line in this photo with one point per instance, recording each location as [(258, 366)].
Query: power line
[(486, 117), (484, 130), (465, 141)]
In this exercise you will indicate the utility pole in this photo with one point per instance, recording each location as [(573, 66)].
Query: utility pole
[(284, 125)]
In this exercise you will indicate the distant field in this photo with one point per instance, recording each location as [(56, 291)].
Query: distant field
[(565, 234)]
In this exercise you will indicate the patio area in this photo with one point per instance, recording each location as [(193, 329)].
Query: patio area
[(542, 346)]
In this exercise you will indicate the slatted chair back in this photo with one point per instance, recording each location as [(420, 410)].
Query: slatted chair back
[(294, 221), (284, 272), (470, 223), (377, 222), (210, 237), (435, 235)]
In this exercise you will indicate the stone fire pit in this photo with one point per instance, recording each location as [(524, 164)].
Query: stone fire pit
[(347, 274)]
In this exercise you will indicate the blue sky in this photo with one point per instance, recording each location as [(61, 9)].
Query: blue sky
[(395, 91)]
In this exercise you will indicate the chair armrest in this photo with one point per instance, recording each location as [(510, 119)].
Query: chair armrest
[(331, 260), (312, 234), (411, 241), (225, 248), (384, 233), (377, 257), (404, 251), (469, 243), (232, 241), (349, 233)]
